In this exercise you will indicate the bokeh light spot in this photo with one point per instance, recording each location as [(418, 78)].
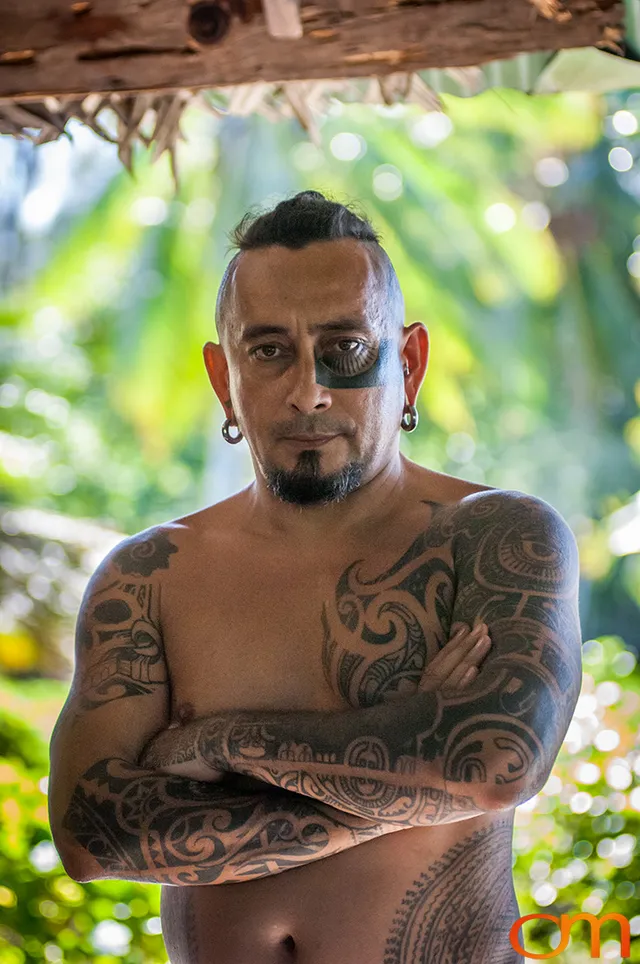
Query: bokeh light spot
[(620, 159), (348, 146), (500, 217), (625, 122), (551, 171), (387, 182)]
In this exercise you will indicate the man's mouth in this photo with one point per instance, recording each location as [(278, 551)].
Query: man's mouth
[(309, 439)]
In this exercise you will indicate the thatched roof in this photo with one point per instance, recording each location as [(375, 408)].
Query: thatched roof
[(146, 61)]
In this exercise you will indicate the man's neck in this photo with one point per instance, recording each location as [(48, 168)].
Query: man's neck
[(321, 525)]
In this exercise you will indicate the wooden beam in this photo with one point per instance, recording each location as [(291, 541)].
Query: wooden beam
[(50, 47)]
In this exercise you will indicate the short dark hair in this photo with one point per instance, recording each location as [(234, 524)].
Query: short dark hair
[(300, 220)]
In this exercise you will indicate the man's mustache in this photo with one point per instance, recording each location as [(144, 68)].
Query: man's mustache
[(311, 427)]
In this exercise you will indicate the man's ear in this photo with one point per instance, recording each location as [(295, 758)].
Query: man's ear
[(218, 371), (415, 358)]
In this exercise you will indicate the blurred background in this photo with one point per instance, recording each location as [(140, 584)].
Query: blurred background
[(514, 225)]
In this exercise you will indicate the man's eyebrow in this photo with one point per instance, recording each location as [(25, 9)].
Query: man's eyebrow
[(339, 324), (258, 331)]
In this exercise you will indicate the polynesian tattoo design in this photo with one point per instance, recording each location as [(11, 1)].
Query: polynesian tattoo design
[(118, 630), (160, 828), (180, 930), (501, 557), (163, 828), (397, 800), (462, 908), (364, 366)]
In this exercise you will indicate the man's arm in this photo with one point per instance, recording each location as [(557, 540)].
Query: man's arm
[(112, 818), (411, 761), (187, 750), (518, 567), (137, 824)]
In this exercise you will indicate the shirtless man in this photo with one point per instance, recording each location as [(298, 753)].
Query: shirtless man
[(266, 685)]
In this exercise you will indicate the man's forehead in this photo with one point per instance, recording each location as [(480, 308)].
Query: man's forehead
[(329, 278)]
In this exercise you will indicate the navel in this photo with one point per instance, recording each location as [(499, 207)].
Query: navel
[(289, 944)]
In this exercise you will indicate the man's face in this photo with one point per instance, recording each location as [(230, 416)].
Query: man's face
[(314, 369)]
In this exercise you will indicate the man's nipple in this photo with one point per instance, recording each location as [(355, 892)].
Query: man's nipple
[(184, 713)]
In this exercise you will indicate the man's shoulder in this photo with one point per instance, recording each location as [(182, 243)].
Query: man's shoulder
[(209, 519), (144, 552), (163, 545), (446, 490), (512, 518), (512, 501), (470, 511)]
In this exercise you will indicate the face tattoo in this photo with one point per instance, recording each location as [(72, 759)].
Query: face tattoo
[(364, 367)]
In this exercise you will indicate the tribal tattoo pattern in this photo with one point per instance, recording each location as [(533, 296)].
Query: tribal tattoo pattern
[(118, 629), (378, 632), (362, 366), (145, 553), (397, 756), (462, 908), (367, 785), (138, 824), (502, 557), (141, 825), (517, 568)]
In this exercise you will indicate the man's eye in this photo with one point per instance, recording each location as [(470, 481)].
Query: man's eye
[(268, 351), (349, 356)]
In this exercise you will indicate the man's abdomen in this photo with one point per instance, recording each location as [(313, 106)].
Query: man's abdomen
[(423, 896)]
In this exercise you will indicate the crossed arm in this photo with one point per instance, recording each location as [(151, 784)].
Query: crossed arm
[(111, 817), (372, 769), (428, 758), (134, 823)]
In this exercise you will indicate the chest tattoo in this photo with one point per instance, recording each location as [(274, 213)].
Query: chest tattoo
[(379, 631)]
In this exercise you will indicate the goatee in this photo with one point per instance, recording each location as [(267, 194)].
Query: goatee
[(305, 485)]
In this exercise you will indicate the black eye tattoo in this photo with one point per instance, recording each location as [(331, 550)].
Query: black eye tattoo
[(353, 361), (364, 367)]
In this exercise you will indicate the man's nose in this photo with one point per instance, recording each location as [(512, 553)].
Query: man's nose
[(305, 394)]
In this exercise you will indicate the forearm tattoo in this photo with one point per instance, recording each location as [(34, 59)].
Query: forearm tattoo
[(140, 825), (118, 630), (504, 558), (392, 798)]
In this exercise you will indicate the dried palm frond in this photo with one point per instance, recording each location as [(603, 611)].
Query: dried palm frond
[(403, 88), (153, 119), (552, 10), (613, 40), (47, 120)]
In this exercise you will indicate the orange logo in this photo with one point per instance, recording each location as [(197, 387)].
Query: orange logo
[(565, 922)]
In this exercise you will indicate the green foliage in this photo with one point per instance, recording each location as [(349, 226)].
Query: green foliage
[(106, 411), (575, 843), (20, 744), (530, 294), (46, 915)]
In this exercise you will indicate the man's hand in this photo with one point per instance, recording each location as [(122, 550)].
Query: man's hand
[(458, 662), (174, 751)]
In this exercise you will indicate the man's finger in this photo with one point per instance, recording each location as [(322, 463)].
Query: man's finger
[(458, 683), (456, 650), (466, 671)]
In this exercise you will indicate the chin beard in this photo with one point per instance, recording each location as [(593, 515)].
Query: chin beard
[(304, 485)]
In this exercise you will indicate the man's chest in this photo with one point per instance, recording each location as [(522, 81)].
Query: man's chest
[(256, 630)]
